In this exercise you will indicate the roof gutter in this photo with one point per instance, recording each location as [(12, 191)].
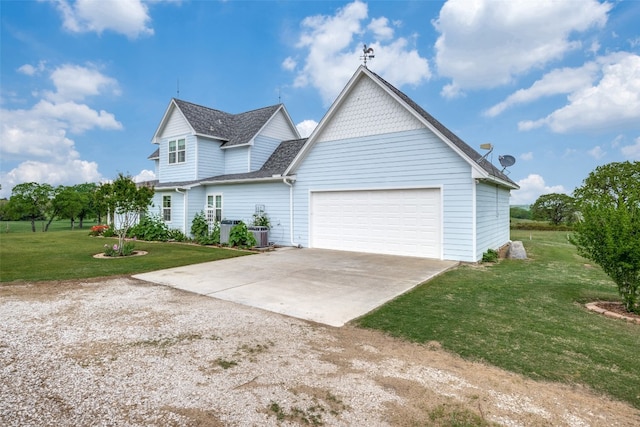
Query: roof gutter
[(185, 198), (493, 179), (273, 178), (290, 184), (204, 135)]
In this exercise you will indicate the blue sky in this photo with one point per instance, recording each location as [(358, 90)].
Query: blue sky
[(85, 83)]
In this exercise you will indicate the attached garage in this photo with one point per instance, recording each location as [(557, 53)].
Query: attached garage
[(390, 221)]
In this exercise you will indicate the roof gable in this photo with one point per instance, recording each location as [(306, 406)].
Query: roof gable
[(368, 110), (232, 129), (482, 167)]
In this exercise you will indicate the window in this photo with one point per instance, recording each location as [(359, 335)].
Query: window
[(177, 151), (214, 209), (166, 208)]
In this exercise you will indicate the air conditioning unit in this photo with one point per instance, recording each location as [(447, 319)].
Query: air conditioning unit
[(261, 235)]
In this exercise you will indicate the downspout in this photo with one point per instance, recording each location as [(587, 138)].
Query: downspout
[(184, 209), (290, 184)]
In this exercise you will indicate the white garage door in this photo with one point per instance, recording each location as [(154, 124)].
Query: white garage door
[(395, 222)]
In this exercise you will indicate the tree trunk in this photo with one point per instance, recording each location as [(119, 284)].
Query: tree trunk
[(33, 225)]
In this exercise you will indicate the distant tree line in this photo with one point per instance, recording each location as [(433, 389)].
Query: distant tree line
[(32, 201)]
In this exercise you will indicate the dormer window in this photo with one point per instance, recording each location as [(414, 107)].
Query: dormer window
[(177, 151)]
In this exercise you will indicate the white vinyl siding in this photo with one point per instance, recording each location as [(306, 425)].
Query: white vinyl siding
[(175, 125), (176, 172), (262, 148), (240, 200), (492, 217), (210, 158), (236, 160), (279, 128)]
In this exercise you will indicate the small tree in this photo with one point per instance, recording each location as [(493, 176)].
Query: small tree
[(609, 230), (127, 201), (86, 192), (67, 203), (31, 200), (555, 208)]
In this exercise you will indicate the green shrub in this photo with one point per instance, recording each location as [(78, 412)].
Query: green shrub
[(199, 227), (261, 220), (490, 255), (240, 236), (150, 228), (200, 230), (177, 235)]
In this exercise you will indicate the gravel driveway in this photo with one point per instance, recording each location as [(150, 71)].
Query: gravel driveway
[(122, 352)]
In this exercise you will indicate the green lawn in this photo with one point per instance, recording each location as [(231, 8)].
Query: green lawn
[(62, 254), (525, 316)]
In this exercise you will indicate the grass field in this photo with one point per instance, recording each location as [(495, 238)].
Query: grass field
[(525, 316), (62, 254)]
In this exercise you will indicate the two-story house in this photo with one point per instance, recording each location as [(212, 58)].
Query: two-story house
[(378, 174)]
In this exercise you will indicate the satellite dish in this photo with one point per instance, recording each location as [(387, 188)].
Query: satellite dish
[(506, 161)]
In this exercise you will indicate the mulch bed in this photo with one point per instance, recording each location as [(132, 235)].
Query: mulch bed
[(618, 308)]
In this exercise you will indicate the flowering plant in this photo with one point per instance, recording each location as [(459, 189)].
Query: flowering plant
[(115, 250), (98, 230)]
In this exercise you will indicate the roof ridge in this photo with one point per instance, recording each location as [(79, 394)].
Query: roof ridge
[(257, 109), (201, 106)]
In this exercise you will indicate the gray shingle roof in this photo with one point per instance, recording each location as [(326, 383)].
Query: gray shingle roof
[(276, 164), (236, 129), (463, 146)]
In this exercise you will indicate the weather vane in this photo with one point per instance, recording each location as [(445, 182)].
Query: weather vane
[(367, 53)]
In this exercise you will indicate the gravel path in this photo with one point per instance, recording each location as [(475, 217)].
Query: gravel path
[(121, 352)]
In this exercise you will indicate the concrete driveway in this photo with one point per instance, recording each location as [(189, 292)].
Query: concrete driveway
[(328, 287)]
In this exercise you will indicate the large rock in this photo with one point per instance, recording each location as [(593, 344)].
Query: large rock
[(516, 251)]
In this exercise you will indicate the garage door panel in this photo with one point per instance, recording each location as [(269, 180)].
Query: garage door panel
[(400, 222)]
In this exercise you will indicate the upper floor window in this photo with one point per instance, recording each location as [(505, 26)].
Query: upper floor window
[(177, 151)]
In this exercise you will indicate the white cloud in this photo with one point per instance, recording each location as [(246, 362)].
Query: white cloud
[(532, 187), (130, 18), (306, 127), (559, 81), (76, 82), (380, 28), (617, 141), (289, 64), (37, 140), (70, 171), (597, 152), (527, 156), (611, 103), (31, 70), (486, 43), (144, 175), (632, 152), (332, 51)]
